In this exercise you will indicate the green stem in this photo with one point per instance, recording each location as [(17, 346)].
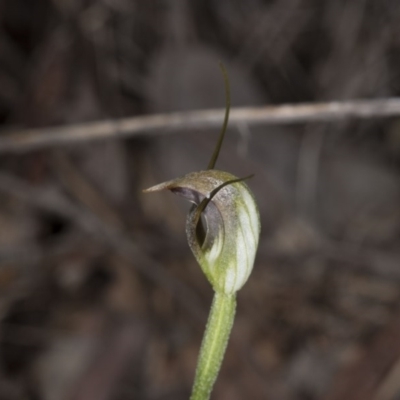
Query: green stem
[(214, 343)]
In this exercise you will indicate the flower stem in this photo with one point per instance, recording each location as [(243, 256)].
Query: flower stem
[(214, 343)]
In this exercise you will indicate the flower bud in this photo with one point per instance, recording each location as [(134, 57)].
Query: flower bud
[(226, 248)]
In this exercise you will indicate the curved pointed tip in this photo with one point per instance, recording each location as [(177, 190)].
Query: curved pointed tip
[(156, 188)]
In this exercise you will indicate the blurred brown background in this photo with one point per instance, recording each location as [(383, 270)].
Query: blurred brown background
[(100, 297)]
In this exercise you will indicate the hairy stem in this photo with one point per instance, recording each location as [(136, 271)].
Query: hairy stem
[(215, 340)]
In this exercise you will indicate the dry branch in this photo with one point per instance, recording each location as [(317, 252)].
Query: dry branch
[(30, 139)]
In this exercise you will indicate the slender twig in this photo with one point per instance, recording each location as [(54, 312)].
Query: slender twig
[(30, 139)]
